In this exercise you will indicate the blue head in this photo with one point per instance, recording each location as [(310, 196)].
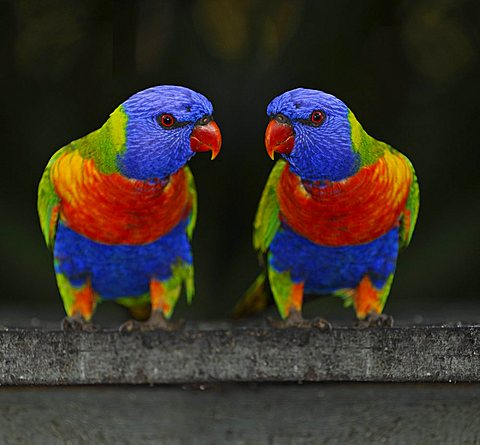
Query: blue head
[(166, 126), (311, 129)]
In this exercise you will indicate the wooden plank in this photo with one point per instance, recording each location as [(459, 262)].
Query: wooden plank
[(407, 354), (243, 414)]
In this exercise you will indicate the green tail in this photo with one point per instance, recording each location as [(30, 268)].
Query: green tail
[(256, 299)]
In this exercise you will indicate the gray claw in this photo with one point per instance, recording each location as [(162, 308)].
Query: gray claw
[(77, 323), (376, 320), (295, 320), (156, 322)]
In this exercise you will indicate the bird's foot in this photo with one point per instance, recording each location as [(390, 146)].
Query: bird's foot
[(295, 320), (156, 322), (77, 323), (321, 324), (373, 319)]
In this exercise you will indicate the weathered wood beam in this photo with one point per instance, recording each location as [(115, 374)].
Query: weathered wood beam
[(407, 354)]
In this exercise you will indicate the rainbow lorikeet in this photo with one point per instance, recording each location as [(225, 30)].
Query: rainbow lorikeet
[(118, 206), (334, 213)]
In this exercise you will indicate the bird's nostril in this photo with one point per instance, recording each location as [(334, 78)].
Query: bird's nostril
[(205, 120)]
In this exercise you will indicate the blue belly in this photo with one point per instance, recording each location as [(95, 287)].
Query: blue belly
[(326, 269), (119, 270)]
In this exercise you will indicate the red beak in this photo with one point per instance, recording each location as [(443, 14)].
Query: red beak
[(279, 138), (206, 138)]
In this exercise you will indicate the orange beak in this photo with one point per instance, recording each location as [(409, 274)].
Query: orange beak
[(206, 138), (279, 137)]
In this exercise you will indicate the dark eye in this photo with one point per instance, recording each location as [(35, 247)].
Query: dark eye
[(166, 120), (317, 117)]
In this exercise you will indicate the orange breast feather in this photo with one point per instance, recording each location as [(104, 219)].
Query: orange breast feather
[(112, 209), (353, 211)]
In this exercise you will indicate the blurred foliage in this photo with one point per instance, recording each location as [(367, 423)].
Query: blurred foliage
[(409, 70)]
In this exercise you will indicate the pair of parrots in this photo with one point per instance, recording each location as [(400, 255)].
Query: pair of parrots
[(118, 208)]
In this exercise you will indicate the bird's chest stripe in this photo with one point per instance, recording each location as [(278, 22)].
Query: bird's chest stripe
[(112, 209), (356, 210)]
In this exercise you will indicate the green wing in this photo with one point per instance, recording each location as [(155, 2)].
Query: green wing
[(410, 214), (48, 203), (267, 222), (265, 227), (193, 193), (185, 272)]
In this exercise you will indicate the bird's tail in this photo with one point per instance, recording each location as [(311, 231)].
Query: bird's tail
[(256, 298)]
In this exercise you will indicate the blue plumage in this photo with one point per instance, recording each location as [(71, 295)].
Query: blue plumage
[(119, 270), (319, 153), (326, 269), (331, 218), (151, 150), (119, 206)]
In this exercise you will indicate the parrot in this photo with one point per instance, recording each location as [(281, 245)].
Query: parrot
[(336, 210), (118, 207)]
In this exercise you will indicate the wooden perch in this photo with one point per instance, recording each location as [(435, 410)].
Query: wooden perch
[(233, 354)]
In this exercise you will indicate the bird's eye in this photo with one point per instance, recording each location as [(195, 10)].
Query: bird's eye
[(317, 117), (166, 120)]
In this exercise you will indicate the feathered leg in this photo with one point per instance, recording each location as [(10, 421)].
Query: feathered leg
[(288, 297), (79, 302), (369, 301), (163, 298)]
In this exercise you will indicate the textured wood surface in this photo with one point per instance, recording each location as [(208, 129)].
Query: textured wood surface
[(229, 354), (320, 413)]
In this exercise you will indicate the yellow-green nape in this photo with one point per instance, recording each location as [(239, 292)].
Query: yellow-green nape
[(112, 139), (106, 143), (368, 148), (117, 126)]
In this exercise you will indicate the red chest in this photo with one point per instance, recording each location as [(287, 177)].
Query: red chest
[(113, 209), (354, 211)]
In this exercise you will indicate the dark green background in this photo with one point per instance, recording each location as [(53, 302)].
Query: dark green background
[(409, 71)]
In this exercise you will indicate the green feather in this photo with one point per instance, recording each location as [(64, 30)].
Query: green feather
[(182, 274), (255, 299), (193, 193), (412, 206), (131, 302), (370, 150), (348, 294), (105, 144), (48, 202), (367, 147), (267, 222), (67, 292), (281, 284), (265, 227)]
